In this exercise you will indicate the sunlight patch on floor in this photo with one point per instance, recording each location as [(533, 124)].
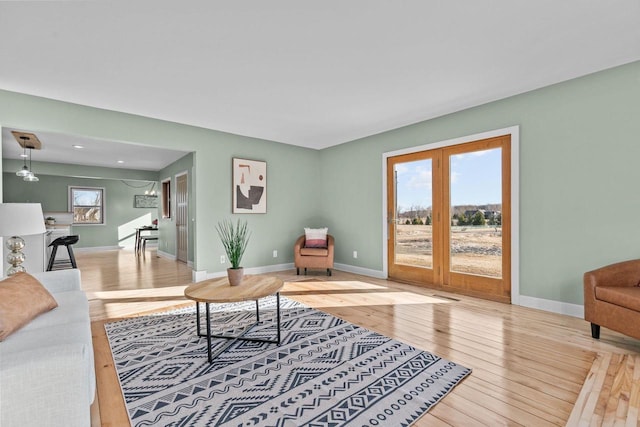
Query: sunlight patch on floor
[(356, 299), (124, 309), (353, 293), (339, 285), (171, 291)]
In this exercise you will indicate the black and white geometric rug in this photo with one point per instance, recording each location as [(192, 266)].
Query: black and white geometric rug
[(325, 372)]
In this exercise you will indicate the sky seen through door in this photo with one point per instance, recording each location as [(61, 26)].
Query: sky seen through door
[(476, 180)]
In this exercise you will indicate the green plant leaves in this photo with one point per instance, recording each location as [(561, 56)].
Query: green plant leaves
[(234, 238)]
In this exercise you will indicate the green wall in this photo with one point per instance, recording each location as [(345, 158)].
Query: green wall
[(579, 174), (121, 218), (292, 172), (167, 226), (52, 194)]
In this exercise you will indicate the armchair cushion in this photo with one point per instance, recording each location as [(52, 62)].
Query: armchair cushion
[(315, 237), (314, 251), (626, 296)]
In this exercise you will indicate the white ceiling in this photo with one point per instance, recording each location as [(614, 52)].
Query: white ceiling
[(308, 73), (59, 148)]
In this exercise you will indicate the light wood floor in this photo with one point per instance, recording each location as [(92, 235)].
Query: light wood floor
[(530, 367)]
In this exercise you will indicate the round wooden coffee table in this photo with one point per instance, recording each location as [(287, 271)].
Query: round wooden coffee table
[(219, 291)]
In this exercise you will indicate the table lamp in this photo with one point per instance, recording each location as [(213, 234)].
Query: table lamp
[(19, 219)]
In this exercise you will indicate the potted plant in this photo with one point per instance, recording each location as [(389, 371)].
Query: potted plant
[(51, 220), (235, 239)]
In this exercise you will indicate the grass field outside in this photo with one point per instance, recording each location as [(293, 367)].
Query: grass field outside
[(474, 249)]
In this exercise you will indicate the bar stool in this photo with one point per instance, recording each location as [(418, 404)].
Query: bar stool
[(67, 241)]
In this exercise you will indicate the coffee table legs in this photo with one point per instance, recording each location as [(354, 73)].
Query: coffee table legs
[(233, 339)]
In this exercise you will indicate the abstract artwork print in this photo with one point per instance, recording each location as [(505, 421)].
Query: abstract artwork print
[(249, 186)]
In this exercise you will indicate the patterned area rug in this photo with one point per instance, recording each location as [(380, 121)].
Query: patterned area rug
[(325, 372)]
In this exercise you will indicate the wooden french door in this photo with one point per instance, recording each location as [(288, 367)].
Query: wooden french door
[(182, 218), (414, 225), (449, 218)]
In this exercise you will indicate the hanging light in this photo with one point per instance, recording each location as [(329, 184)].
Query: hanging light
[(30, 176), (153, 191), (26, 173), (25, 170)]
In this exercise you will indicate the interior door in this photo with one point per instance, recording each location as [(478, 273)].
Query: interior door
[(182, 218), (449, 218)]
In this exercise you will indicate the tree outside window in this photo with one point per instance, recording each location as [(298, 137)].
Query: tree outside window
[(87, 205)]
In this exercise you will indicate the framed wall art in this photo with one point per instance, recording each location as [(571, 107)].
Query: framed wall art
[(144, 201), (249, 186)]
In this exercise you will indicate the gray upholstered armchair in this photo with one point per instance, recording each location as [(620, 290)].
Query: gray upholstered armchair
[(313, 257)]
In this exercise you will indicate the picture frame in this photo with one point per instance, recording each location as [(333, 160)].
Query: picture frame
[(145, 201), (249, 186)]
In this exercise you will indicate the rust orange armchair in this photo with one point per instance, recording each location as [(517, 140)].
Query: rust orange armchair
[(313, 257), (612, 298)]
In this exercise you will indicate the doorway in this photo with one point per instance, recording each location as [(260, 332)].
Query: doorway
[(449, 218), (182, 218)]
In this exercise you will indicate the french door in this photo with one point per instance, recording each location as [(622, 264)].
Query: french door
[(449, 218)]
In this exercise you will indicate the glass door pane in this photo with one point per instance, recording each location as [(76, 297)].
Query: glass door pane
[(413, 213), (475, 245)]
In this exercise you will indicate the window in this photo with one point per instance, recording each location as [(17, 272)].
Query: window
[(87, 205), (166, 198)]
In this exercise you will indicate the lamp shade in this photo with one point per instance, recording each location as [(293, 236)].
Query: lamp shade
[(21, 219)]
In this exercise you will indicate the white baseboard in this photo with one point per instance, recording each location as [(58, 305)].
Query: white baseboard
[(198, 275), (267, 268), (201, 275), (166, 255), (360, 270), (204, 275), (173, 257), (558, 307), (98, 248)]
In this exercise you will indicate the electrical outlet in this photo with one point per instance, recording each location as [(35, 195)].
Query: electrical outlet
[(275, 253), (355, 254), (221, 259)]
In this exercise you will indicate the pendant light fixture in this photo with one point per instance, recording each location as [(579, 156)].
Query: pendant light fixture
[(30, 177), (153, 191), (26, 173), (25, 170)]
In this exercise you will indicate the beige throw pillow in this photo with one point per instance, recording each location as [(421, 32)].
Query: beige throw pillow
[(22, 299), (315, 237)]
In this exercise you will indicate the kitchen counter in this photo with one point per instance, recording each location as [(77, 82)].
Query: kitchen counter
[(57, 226)]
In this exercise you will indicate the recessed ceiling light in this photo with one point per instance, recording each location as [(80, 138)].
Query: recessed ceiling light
[(120, 161), (79, 147)]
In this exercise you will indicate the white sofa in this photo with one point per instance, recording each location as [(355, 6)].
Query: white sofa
[(47, 375)]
